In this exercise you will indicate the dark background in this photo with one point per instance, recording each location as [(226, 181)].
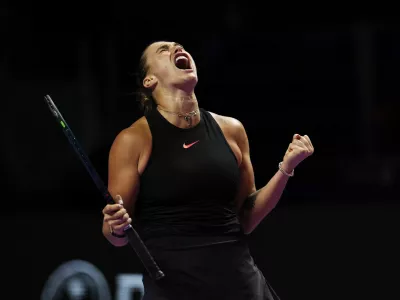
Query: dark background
[(333, 234)]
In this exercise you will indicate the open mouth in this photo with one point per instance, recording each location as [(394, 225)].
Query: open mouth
[(182, 62)]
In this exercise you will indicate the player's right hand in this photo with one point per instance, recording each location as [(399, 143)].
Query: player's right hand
[(116, 217)]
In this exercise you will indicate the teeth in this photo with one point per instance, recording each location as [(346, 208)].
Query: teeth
[(180, 58)]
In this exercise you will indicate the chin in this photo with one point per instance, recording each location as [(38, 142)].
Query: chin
[(189, 81)]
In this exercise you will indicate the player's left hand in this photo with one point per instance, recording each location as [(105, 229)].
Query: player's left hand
[(299, 149)]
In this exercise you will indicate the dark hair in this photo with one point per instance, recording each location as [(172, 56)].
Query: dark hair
[(144, 95)]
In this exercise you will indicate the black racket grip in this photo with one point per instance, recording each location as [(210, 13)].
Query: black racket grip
[(141, 250), (108, 198)]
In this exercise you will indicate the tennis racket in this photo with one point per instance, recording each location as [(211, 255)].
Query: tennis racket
[(133, 237)]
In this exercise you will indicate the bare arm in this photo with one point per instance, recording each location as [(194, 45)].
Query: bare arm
[(123, 183), (259, 203), (253, 205)]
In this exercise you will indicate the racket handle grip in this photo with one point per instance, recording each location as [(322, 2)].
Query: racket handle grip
[(108, 198), (143, 253)]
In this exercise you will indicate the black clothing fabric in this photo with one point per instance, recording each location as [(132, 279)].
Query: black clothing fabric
[(185, 214), (223, 271), (190, 182)]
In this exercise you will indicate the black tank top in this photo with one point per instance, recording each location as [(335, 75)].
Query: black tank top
[(189, 184)]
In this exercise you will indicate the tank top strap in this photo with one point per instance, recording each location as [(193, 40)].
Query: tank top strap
[(213, 129)]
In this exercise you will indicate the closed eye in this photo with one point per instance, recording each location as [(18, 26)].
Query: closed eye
[(166, 47), (163, 48)]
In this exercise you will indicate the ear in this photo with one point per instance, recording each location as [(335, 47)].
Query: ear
[(149, 81)]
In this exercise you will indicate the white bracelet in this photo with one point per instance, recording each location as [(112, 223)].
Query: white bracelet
[(284, 172)]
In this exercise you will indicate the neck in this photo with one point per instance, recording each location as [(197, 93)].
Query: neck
[(177, 100), (180, 109)]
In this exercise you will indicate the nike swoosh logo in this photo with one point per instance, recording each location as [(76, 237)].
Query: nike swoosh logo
[(190, 145)]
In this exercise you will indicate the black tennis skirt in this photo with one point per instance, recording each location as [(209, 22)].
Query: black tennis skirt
[(214, 272)]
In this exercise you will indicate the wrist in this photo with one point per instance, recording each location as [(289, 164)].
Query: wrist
[(285, 169), (287, 166)]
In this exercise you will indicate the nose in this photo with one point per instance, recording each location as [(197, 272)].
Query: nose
[(178, 49)]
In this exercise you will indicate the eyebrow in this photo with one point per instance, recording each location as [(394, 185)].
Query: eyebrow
[(166, 46)]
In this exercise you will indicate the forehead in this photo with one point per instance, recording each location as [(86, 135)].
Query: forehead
[(152, 48)]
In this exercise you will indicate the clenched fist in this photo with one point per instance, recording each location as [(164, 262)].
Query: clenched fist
[(116, 217), (299, 149)]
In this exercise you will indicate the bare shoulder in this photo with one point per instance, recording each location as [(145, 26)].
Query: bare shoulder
[(135, 136), (227, 121), (229, 125)]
